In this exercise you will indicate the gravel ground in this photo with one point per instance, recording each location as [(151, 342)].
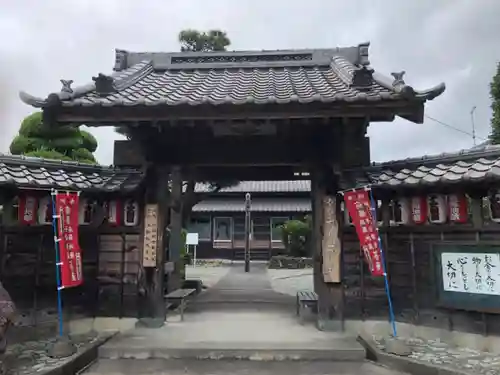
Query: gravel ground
[(291, 281), (209, 274), (31, 357), (439, 353)]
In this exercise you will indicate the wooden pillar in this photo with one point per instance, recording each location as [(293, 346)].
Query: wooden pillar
[(153, 259), (175, 226), (327, 251)]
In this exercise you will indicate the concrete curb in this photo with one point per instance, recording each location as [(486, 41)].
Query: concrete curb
[(405, 364), (348, 355), (81, 360)]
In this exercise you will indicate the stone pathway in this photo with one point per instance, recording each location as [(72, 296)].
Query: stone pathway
[(238, 287), (440, 354)]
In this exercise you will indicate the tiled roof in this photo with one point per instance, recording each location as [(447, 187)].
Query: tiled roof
[(261, 187), (466, 166), (38, 173), (244, 77), (258, 205)]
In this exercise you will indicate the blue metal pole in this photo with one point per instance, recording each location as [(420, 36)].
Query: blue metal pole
[(58, 262), (387, 289)]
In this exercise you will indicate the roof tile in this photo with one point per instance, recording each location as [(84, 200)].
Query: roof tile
[(41, 173)]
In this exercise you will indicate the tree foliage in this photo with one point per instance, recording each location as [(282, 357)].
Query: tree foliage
[(53, 142), (495, 106), (201, 41), (296, 235)]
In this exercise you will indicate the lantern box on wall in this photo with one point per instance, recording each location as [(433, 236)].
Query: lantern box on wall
[(494, 205), (27, 209), (401, 211), (347, 217), (86, 211), (45, 210), (130, 213), (113, 209), (418, 206), (457, 208), (436, 209)]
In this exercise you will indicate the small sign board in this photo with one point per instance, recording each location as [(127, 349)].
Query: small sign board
[(192, 239)]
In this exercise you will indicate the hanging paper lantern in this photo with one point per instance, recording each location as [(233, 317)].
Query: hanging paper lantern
[(457, 204), (114, 212), (130, 213), (436, 206), (27, 209), (418, 210), (45, 211)]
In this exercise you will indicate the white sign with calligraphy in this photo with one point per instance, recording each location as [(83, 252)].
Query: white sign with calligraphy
[(477, 273), (150, 235)]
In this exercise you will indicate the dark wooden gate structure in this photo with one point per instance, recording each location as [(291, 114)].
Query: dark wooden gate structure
[(247, 116)]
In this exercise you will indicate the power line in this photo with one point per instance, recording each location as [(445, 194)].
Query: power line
[(453, 127)]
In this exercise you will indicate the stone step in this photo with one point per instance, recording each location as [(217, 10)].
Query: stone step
[(234, 367), (347, 350)]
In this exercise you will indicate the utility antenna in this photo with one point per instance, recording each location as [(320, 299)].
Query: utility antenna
[(473, 125)]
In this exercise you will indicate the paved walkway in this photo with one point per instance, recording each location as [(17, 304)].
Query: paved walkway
[(237, 326), (239, 316), (240, 289)]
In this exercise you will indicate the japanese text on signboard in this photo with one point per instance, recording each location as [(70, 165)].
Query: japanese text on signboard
[(477, 273), (358, 205), (70, 257)]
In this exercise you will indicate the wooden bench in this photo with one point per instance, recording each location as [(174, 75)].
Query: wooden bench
[(306, 299), (180, 297)]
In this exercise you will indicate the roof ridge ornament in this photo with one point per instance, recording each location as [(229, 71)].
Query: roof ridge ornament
[(362, 78), (66, 85), (398, 78), (363, 53), (121, 59), (104, 84)]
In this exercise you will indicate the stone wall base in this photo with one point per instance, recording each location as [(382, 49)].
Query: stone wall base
[(458, 338)]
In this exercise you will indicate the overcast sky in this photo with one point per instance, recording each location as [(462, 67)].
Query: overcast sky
[(455, 41)]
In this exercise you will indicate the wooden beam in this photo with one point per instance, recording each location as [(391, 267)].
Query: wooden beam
[(99, 115)]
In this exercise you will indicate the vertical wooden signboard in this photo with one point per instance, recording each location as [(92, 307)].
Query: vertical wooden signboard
[(150, 235), (330, 242)]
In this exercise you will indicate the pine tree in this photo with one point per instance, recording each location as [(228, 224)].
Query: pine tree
[(495, 106)]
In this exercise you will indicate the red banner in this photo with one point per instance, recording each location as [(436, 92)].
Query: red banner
[(70, 256), (358, 204)]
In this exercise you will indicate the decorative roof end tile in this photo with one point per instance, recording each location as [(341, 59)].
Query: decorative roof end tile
[(104, 84), (362, 78)]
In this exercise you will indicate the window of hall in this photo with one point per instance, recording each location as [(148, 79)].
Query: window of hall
[(202, 226), (223, 229), (261, 229), (239, 228)]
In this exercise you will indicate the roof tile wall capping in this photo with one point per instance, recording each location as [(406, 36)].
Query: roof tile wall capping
[(237, 77), (38, 173), (473, 165)]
